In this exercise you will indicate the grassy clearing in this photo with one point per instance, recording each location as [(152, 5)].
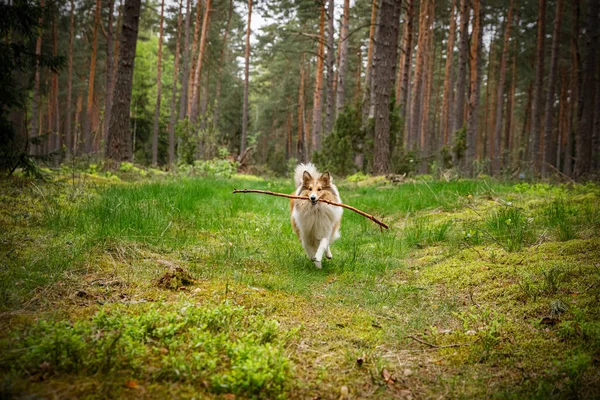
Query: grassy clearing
[(479, 289)]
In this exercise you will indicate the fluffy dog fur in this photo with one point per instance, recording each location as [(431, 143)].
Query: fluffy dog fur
[(317, 224)]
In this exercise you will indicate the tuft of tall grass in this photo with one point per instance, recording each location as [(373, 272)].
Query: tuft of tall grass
[(559, 215), (510, 227)]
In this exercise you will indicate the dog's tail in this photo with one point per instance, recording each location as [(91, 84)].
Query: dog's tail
[(299, 172)]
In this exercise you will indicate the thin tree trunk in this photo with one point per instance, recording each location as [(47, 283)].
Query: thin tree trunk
[(329, 101), (414, 131), (509, 126), (87, 130), (35, 106), (119, 146), (288, 143), (408, 50), (584, 143), (246, 80), (109, 67), (194, 56), (56, 123), (497, 160), (574, 91), (173, 119), (68, 116), (367, 96), (425, 140), (461, 82), (476, 74), (300, 144), (343, 46), (385, 58), (537, 88), (183, 98), (217, 106), (317, 99), (158, 88), (117, 45), (448, 81), (548, 158)]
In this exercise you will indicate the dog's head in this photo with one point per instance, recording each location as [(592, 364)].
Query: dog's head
[(315, 188)]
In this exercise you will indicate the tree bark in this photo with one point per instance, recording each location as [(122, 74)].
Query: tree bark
[(476, 74), (317, 100), (537, 88), (300, 143), (87, 130), (510, 106), (384, 67), (367, 95), (574, 92), (329, 101), (173, 118), (158, 88), (448, 81), (548, 156), (584, 142), (35, 106), (183, 98), (109, 67), (414, 131), (343, 46), (68, 114), (217, 106), (406, 68), (119, 145), (194, 57), (246, 79), (497, 139), (461, 82)]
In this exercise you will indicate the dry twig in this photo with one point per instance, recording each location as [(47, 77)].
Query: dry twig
[(291, 196)]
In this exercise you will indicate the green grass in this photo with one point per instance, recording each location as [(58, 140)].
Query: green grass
[(474, 265)]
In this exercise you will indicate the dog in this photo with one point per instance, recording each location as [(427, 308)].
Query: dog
[(316, 224)]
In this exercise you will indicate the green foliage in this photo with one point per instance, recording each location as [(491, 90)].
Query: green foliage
[(559, 215), (237, 351), (340, 146)]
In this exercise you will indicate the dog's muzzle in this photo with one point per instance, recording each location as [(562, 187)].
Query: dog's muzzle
[(313, 199)]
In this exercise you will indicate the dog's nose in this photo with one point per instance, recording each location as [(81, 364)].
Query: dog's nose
[(313, 198)]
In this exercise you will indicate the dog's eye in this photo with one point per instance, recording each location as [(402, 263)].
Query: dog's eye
[(310, 188), (319, 189)]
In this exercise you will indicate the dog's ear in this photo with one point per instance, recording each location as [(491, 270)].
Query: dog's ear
[(325, 179), (306, 178)]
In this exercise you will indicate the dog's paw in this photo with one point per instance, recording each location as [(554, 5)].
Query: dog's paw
[(328, 254), (318, 264)]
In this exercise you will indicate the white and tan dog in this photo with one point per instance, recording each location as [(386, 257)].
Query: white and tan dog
[(317, 224)]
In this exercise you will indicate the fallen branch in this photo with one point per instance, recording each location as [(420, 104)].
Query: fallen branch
[(291, 196)]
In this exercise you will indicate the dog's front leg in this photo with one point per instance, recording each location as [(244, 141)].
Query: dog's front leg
[(323, 246)]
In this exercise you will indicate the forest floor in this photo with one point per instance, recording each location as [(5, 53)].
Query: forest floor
[(177, 288)]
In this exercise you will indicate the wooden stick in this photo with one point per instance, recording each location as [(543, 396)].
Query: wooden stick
[(291, 196)]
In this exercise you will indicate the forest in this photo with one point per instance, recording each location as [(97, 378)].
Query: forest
[(503, 88), (137, 260)]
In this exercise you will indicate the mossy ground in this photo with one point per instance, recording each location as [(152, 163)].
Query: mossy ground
[(479, 289)]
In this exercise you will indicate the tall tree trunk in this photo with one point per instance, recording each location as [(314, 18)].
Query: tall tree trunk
[(246, 79), (384, 69), (109, 67), (158, 88), (68, 114), (217, 105), (497, 139), (317, 100), (288, 143), (414, 126), (461, 82), (448, 81), (117, 44), (425, 139), (537, 88), (301, 154), (198, 68), (574, 93), (476, 73), (548, 158), (509, 126), (343, 46), (367, 95), (584, 142), (173, 119), (407, 49), (183, 98), (35, 106), (87, 130), (329, 101), (56, 122), (118, 145), (194, 56)]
